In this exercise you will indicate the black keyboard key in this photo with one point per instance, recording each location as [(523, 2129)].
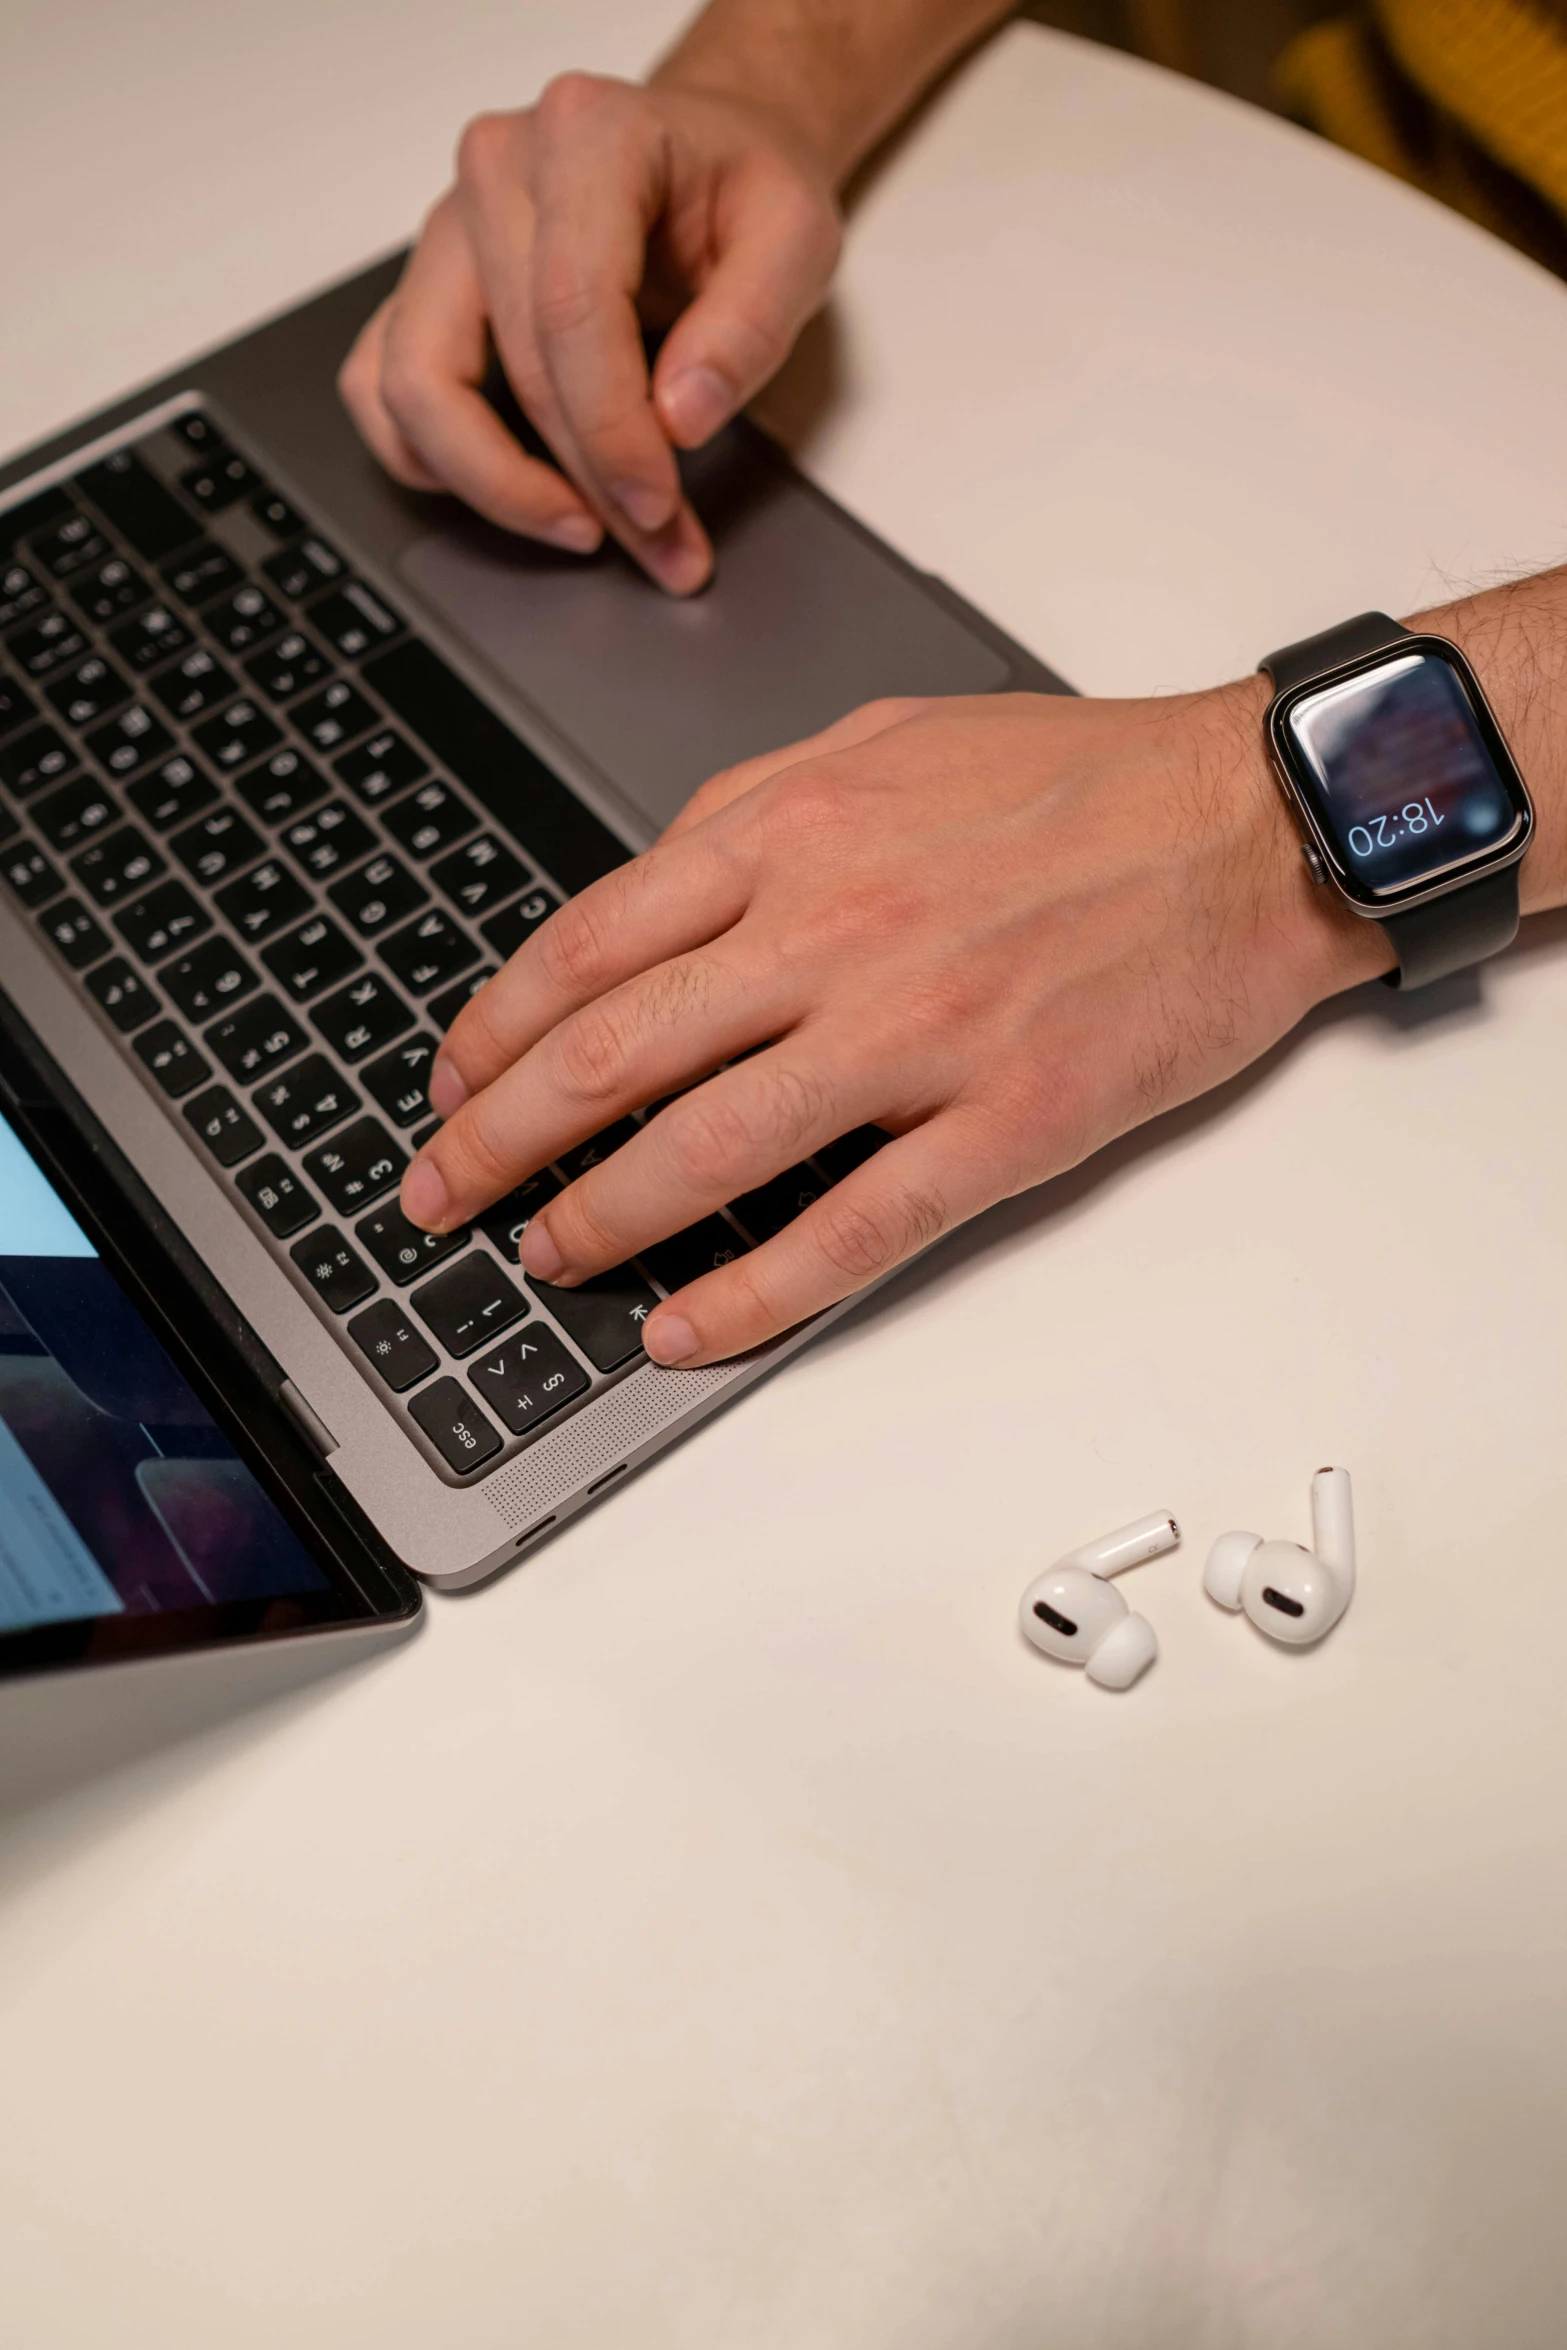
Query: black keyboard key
[(74, 933), (47, 644), (89, 691), (172, 792), (171, 1057), (604, 1317), (275, 514), (444, 1008), (278, 1196), (138, 505), (597, 1148), (430, 819), (686, 1256), (210, 977), (335, 716), (243, 620), (154, 636), (228, 1131), (192, 685), (17, 707), (356, 1166), (378, 895), (131, 742), (528, 1378), (329, 840), (289, 667), (505, 931), (281, 786), (197, 430), (257, 1037), (401, 1250), (237, 735), (840, 1158), (467, 1305), (426, 1133), (117, 866), (10, 825), (505, 1223), (69, 545), (27, 872), (299, 571), (262, 900), (219, 482), (428, 951), (339, 1277), (122, 993), (21, 591), (202, 572), (397, 1082), (362, 1017), (305, 1100), (380, 767), (217, 845), (35, 758), (479, 875), (167, 918), (771, 1206), (398, 1352), (109, 591), (355, 620), (314, 956), (456, 1427), (73, 812), (19, 522)]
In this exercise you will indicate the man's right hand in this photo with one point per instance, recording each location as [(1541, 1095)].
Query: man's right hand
[(573, 224)]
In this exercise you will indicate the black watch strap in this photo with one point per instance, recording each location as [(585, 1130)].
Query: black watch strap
[(1449, 934)]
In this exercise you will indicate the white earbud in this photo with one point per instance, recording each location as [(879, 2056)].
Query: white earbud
[(1071, 1612), (1292, 1594)]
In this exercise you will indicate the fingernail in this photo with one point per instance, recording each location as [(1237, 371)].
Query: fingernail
[(446, 1090), (683, 564), (669, 1339), (424, 1196), (579, 534), (540, 1256), (647, 507), (695, 403)]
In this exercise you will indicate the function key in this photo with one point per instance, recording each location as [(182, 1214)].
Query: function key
[(197, 430), (504, 1224), (193, 685), (314, 956), (47, 644), (329, 840), (210, 976), (335, 716), (380, 767), (289, 667), (256, 1038), (16, 706), (166, 918), (21, 592), (120, 865), (378, 895), (216, 845), (356, 1166), (244, 620), (202, 572), (604, 1317), (237, 735), (395, 1350), (277, 1195), (171, 1057), (261, 901), (68, 546), (397, 1082), (840, 1158), (455, 1426), (228, 1131), (428, 951), (138, 505), (465, 1306), (27, 872), (339, 1277), (299, 571), (686, 1256), (33, 759), (91, 690), (401, 1250), (505, 931), (152, 637), (597, 1148), (771, 1206), (281, 786), (444, 1008), (362, 1017), (171, 792), (305, 1100), (478, 875), (74, 933), (220, 482), (72, 813), (354, 620), (109, 591), (431, 818), (529, 1377), (274, 513), (121, 992), (130, 742)]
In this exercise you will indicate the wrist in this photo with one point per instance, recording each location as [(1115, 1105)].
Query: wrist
[(788, 97)]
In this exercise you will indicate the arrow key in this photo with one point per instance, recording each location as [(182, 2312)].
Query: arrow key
[(528, 1378)]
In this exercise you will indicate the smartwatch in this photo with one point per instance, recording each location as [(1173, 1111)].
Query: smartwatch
[(1409, 803)]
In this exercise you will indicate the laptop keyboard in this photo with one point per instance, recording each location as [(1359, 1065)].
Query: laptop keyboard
[(278, 842)]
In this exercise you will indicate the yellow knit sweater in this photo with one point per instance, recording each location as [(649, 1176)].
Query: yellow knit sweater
[(1466, 98)]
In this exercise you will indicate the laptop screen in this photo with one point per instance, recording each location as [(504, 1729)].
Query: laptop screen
[(119, 1494)]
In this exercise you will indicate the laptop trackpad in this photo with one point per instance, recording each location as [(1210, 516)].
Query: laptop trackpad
[(805, 619)]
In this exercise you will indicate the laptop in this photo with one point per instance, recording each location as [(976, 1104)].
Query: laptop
[(290, 761)]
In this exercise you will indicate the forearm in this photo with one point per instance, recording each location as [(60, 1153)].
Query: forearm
[(834, 75)]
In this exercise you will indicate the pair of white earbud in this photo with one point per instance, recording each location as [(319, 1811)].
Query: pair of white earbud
[(1292, 1594)]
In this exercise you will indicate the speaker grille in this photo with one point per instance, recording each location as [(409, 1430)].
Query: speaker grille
[(582, 1449)]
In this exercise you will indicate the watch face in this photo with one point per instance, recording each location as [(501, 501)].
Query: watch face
[(1403, 771)]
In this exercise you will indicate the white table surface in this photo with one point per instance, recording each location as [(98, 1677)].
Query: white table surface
[(723, 1931)]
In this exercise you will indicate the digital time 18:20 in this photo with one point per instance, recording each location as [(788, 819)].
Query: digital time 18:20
[(1415, 816)]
